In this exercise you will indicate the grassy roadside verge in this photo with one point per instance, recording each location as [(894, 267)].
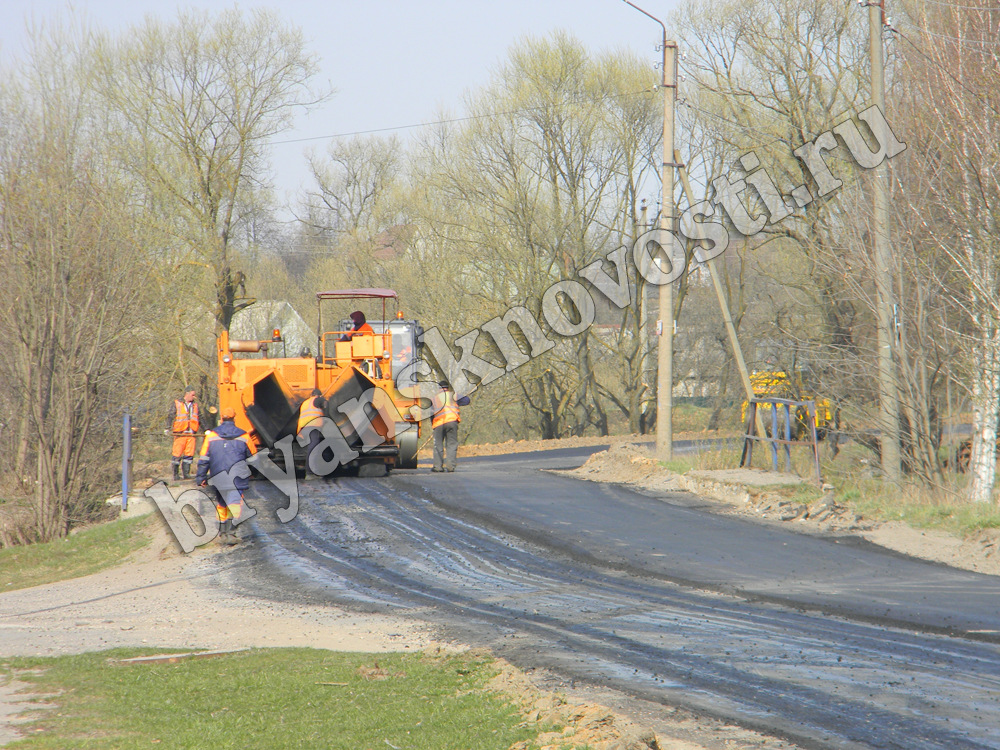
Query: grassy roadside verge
[(940, 508), (270, 698), (919, 507), (80, 554)]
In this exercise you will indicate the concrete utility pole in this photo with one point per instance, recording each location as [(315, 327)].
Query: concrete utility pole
[(648, 369), (885, 300), (665, 350)]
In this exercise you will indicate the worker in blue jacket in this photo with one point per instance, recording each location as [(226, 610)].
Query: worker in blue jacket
[(225, 447)]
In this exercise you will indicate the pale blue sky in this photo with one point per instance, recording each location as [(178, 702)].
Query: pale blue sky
[(393, 63)]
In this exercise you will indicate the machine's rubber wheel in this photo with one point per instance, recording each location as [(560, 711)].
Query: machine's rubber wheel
[(407, 447)]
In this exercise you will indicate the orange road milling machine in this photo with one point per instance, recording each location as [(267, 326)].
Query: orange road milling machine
[(363, 378)]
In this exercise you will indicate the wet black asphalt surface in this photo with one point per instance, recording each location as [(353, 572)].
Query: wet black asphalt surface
[(827, 642)]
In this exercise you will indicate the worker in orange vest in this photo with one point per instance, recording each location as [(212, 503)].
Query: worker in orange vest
[(359, 326), (183, 424), (445, 425), (223, 448), (312, 412)]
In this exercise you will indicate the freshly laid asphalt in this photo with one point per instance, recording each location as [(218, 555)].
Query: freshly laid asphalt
[(677, 537), (828, 641)]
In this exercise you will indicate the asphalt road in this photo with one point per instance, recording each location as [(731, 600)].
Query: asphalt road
[(828, 642), (677, 538)]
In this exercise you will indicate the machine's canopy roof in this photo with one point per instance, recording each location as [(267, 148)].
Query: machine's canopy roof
[(358, 294)]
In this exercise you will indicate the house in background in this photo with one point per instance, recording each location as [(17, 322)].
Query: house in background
[(258, 322)]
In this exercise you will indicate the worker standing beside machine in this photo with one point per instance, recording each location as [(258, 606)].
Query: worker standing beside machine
[(183, 424), (445, 425)]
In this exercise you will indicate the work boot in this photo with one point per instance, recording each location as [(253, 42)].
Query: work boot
[(177, 472), (186, 469), (230, 536), (224, 531)]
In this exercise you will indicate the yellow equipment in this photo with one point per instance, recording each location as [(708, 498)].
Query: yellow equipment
[(777, 384), (357, 377)]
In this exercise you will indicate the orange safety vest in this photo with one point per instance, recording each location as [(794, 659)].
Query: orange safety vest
[(227, 511), (308, 413), (185, 417), (211, 436), (448, 411)]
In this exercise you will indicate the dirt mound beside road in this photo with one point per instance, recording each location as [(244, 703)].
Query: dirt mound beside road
[(587, 720)]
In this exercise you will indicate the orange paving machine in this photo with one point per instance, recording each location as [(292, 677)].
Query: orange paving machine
[(359, 375)]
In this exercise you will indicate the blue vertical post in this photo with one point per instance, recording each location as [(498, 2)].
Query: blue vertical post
[(126, 459), (788, 437), (815, 442), (774, 434)]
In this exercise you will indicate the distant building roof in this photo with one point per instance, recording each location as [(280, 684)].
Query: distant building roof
[(393, 241), (258, 322)]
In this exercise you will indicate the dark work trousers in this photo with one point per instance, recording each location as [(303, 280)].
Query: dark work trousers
[(446, 446), (315, 438)]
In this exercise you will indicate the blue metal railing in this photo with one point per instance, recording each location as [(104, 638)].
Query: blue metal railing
[(782, 421)]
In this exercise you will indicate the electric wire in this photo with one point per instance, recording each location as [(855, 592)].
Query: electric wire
[(466, 118), (771, 136), (946, 4), (993, 46), (947, 72)]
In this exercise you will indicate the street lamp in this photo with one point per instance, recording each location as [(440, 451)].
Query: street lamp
[(665, 347)]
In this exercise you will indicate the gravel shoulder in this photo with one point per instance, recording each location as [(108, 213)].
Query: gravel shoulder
[(158, 597)]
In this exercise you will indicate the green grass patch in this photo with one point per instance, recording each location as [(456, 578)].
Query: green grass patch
[(917, 506), (687, 417), (714, 457), (922, 506), (690, 418), (87, 551), (678, 465), (271, 698)]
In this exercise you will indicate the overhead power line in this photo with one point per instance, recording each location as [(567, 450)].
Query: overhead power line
[(945, 70), (947, 4), (992, 47), (467, 118)]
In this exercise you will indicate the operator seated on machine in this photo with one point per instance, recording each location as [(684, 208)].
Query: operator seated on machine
[(360, 327)]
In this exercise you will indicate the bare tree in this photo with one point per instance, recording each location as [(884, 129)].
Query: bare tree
[(353, 218), (953, 191), (776, 74), (199, 100), (74, 325), (543, 181)]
